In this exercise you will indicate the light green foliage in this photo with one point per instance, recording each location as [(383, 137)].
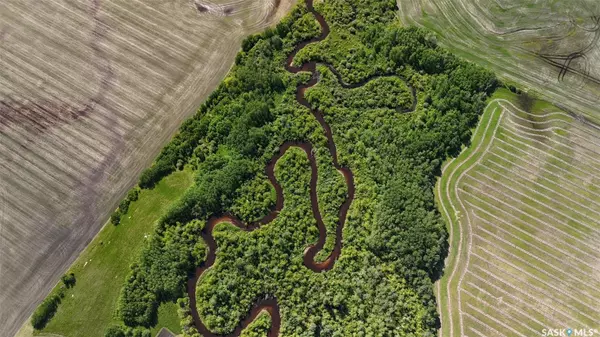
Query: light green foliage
[(259, 327), (386, 92), (331, 191), (167, 318), (257, 197), (46, 310)]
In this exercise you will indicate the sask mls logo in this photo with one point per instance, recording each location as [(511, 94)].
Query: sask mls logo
[(570, 332)]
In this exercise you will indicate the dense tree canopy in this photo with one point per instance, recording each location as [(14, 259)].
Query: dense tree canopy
[(394, 238)]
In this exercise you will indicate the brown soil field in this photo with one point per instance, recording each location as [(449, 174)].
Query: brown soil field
[(90, 90)]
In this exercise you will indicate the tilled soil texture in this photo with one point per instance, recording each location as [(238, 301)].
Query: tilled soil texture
[(550, 47), (90, 90)]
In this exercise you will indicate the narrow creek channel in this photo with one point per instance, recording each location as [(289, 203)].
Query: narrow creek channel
[(270, 304)]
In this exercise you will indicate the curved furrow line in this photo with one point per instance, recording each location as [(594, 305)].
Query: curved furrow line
[(457, 174), (527, 299), (532, 132), (514, 210), (504, 315), (556, 290), (513, 162), (532, 289), (575, 126), (562, 185), (536, 205), (535, 225), (564, 201), (493, 226)]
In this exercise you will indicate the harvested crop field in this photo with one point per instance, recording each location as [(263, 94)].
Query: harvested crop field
[(548, 46), (89, 93), (522, 203)]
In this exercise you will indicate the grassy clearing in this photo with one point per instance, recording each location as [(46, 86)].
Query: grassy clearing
[(522, 221), (167, 318), (89, 307)]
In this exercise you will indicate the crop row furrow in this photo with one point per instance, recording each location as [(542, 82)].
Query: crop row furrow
[(519, 280), (488, 227), (539, 160), (543, 208), (572, 124), (534, 231), (494, 319), (461, 234), (84, 54), (485, 325), (514, 161), (529, 299), (589, 308), (530, 133), (515, 136), (27, 75), (545, 224), (559, 198), (536, 266), (502, 316)]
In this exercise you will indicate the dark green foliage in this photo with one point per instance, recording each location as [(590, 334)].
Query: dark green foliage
[(68, 280), (132, 195), (526, 101), (186, 321), (156, 172), (124, 206), (138, 332), (408, 216), (259, 328), (115, 218), (256, 76), (120, 331), (357, 15), (46, 310), (114, 331), (394, 238), (218, 179), (385, 92), (161, 272)]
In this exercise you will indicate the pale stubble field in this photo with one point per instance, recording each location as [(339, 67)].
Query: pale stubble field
[(90, 90), (546, 46)]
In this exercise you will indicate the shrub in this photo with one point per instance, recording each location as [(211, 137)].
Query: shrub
[(115, 218), (155, 173), (133, 194), (114, 331), (46, 311), (68, 280), (124, 206)]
